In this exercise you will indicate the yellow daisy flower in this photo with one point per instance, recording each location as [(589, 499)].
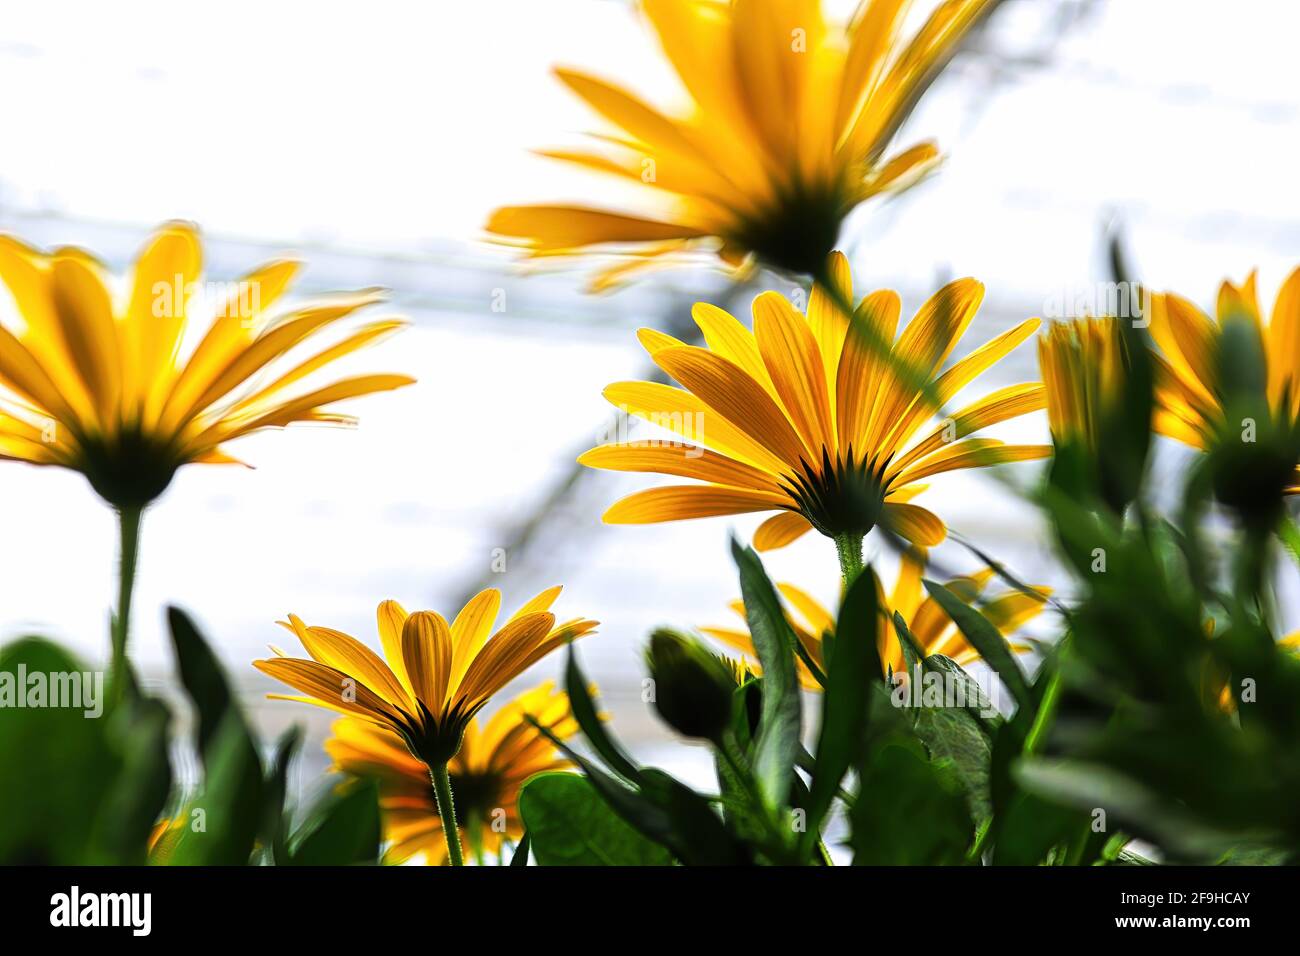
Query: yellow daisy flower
[(1189, 403), (788, 121), (436, 678), (929, 624), (1082, 365), (1096, 379), (803, 418), (436, 675), (93, 381), (486, 775)]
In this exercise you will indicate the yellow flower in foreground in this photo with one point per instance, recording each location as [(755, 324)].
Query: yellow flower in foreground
[(493, 763), (786, 132), (1189, 403), (437, 675), (930, 625), (95, 381), (802, 417)]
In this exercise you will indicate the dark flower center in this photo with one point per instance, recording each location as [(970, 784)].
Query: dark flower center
[(129, 470), (843, 496), (798, 232)]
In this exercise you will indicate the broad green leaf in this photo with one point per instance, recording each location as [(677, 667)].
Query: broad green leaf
[(986, 639), (570, 824), (779, 724), (230, 805), (908, 811), (662, 809), (56, 763)]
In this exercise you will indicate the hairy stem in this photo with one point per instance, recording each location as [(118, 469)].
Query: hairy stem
[(447, 813), (849, 546)]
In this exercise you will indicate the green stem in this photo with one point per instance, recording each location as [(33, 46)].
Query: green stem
[(849, 546), (1046, 711), (474, 830), (447, 812), (128, 520)]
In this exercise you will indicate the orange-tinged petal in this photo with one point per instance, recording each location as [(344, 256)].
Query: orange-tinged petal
[(780, 530), (918, 525), (676, 502), (426, 652), (792, 359), (742, 402), (684, 462)]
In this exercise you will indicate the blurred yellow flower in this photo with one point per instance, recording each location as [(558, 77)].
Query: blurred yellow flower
[(95, 382), (1082, 365), (809, 416), (493, 763), (788, 121), (929, 624), (1189, 402), (437, 675)]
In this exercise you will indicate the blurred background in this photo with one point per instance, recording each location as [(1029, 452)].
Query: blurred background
[(374, 140)]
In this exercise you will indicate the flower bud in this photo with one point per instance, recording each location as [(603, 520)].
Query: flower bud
[(694, 688)]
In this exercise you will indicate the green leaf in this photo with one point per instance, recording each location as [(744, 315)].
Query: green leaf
[(1127, 803), (274, 818), (662, 809), (520, 855), (592, 727), (986, 639), (136, 799), (908, 811), (851, 673), (978, 704), (344, 829), (777, 741), (913, 653), (229, 807), (206, 684), (952, 735), (55, 763), (570, 824)]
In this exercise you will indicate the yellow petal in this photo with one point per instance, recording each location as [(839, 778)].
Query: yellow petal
[(973, 453), (780, 530), (426, 652), (677, 502), (792, 359), (564, 227), (471, 629), (916, 524), (736, 397), (685, 414), (684, 462), (390, 616)]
